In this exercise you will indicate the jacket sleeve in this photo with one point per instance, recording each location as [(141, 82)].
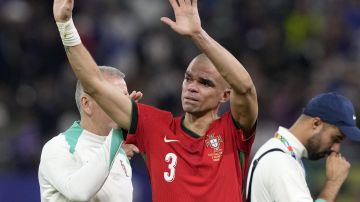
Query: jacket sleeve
[(79, 181)]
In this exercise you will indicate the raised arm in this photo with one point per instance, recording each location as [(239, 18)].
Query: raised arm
[(243, 98), (114, 103), (337, 170)]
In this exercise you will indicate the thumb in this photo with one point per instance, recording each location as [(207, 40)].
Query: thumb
[(167, 21)]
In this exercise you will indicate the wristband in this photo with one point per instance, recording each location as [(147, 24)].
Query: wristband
[(320, 200), (68, 33)]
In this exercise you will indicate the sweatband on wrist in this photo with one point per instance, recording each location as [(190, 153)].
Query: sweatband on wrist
[(320, 200), (68, 33)]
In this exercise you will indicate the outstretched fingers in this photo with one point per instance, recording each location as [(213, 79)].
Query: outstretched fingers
[(174, 4), (187, 2), (168, 21)]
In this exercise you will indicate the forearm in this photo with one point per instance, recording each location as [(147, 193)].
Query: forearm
[(84, 67), (73, 182), (113, 102), (81, 182), (87, 181), (337, 170), (330, 191), (227, 65)]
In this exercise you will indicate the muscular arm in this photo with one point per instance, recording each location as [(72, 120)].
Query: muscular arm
[(243, 98), (114, 103)]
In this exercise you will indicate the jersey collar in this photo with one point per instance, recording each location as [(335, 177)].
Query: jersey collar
[(299, 148)]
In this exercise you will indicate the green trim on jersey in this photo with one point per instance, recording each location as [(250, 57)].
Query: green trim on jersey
[(121, 150), (116, 141), (242, 165), (242, 159), (188, 131), (72, 135), (133, 117)]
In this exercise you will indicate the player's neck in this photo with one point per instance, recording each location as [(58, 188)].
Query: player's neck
[(199, 124), (299, 132)]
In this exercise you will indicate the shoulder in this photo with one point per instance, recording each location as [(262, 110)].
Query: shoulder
[(152, 114), (225, 120), (152, 110), (55, 146), (273, 159), (276, 164)]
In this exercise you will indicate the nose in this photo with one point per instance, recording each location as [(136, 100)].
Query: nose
[(192, 87), (335, 147)]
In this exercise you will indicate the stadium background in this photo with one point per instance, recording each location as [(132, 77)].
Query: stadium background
[(293, 49)]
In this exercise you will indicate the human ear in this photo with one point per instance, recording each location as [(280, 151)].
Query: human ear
[(317, 124), (225, 95), (86, 105)]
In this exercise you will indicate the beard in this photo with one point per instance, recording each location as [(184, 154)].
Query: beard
[(312, 147)]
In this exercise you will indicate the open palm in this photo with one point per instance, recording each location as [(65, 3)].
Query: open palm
[(186, 15), (62, 10)]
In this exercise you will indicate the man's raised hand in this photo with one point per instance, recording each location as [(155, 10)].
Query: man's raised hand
[(62, 10), (187, 20)]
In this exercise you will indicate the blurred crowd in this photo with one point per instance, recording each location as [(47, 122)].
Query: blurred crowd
[(293, 49)]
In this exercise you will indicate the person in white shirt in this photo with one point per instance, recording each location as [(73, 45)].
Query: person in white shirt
[(87, 162), (277, 173)]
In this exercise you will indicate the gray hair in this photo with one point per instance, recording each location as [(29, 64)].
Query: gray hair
[(105, 70)]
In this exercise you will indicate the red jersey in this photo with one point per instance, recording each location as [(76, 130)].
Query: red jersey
[(186, 167)]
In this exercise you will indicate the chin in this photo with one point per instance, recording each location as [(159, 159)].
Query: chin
[(187, 107)]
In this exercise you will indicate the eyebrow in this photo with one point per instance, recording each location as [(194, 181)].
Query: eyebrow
[(201, 79), (206, 81)]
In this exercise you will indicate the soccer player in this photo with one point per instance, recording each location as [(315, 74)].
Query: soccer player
[(197, 157), (87, 162), (277, 173)]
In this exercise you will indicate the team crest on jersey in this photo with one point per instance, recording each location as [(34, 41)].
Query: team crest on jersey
[(214, 142)]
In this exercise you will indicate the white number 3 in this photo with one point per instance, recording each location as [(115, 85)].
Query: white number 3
[(172, 159)]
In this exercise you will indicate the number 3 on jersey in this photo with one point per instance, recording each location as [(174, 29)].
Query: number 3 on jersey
[(170, 158)]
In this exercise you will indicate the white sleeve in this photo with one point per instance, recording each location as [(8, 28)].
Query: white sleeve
[(79, 181), (286, 180)]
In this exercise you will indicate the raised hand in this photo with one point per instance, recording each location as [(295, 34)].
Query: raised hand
[(337, 168), (187, 20), (62, 10)]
